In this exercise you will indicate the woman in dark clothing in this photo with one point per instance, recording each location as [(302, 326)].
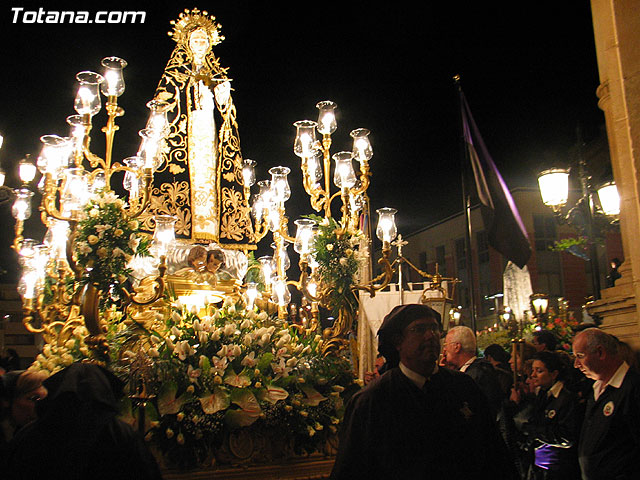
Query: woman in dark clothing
[(554, 422), (78, 435)]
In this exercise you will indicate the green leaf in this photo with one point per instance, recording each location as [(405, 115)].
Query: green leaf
[(272, 394), (214, 402), (248, 412), (265, 361), (167, 402), (313, 397)]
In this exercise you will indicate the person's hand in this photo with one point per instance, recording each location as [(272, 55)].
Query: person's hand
[(223, 92)]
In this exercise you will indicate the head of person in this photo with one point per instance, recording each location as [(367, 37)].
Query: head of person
[(496, 354), (596, 354), (22, 392), (411, 334), (215, 260), (546, 369), (199, 44), (459, 346), (544, 340), (197, 258), (521, 354), (615, 263)]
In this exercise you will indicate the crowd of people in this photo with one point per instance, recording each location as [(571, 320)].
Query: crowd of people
[(433, 409), (533, 414)]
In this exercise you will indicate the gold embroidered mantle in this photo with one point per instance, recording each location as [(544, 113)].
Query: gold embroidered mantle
[(200, 180)]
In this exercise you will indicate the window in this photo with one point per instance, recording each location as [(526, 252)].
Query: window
[(482, 242), (544, 227)]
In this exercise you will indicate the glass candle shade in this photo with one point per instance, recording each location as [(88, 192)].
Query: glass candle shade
[(132, 180), (87, 101), (304, 144), (386, 229), (75, 190), (164, 233), (56, 238), (267, 268), (554, 187), (304, 235), (21, 209), (149, 148), (326, 117), (281, 256), (280, 293), (280, 190), (362, 150), (248, 172), (113, 84), (54, 156), (251, 294), (344, 176), (158, 122), (314, 168)]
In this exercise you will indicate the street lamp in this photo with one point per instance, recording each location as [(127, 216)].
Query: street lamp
[(539, 305), (554, 190)]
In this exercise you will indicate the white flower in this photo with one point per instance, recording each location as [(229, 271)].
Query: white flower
[(245, 324), (153, 352), (183, 350), (249, 360), (218, 365), (83, 248), (175, 332), (230, 329), (133, 242), (344, 261), (101, 229), (248, 339), (262, 316), (193, 374), (280, 369), (117, 252)]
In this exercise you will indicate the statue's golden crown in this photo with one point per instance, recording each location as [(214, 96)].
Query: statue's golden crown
[(194, 19)]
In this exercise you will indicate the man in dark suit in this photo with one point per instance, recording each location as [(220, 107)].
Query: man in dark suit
[(460, 354), (609, 445), (411, 422)]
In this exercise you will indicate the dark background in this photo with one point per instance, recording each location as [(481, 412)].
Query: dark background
[(528, 71)]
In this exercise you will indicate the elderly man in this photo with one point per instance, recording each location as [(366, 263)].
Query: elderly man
[(609, 445), (418, 420), (460, 353)]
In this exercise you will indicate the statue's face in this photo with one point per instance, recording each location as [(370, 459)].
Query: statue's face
[(199, 43)]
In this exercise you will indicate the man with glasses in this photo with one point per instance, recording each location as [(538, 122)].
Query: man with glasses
[(418, 420), (609, 445), (460, 348)]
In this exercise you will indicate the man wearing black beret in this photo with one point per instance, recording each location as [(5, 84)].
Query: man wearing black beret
[(418, 420)]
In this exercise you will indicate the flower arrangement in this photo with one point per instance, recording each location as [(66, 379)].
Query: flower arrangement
[(219, 371), (563, 327), (106, 241), (337, 252)]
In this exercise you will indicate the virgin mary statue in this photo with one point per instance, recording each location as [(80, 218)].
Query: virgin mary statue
[(200, 178)]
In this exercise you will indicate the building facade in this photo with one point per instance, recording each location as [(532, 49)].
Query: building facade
[(558, 274)]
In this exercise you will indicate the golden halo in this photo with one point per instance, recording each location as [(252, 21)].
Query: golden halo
[(190, 20)]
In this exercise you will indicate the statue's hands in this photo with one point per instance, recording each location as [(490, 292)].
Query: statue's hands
[(222, 92)]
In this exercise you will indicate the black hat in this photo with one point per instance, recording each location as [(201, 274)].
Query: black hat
[(394, 324)]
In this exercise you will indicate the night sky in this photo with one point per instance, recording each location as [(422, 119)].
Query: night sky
[(528, 71)]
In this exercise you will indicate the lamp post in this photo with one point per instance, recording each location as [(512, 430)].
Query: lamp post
[(554, 190)]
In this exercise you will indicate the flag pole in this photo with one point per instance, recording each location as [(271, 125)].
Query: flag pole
[(466, 205)]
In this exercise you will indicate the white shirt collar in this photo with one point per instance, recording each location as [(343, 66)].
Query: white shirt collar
[(415, 377), (615, 380), (467, 363), (555, 389)]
